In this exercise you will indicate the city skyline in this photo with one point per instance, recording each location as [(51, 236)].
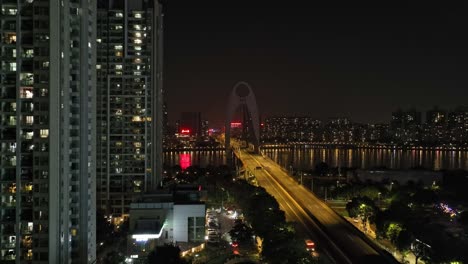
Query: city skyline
[(322, 60)]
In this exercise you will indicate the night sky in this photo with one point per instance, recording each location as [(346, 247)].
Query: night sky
[(361, 62)]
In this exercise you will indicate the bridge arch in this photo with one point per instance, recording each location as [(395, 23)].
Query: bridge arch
[(242, 94)]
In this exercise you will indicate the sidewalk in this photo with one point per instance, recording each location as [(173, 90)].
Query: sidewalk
[(385, 244)]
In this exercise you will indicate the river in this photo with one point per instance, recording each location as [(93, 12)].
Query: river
[(367, 158)]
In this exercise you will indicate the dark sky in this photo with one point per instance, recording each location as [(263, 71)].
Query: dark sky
[(323, 60)]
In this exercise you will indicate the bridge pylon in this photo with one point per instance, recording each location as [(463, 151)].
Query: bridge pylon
[(242, 95)]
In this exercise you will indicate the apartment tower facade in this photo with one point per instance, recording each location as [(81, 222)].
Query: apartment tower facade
[(129, 115), (47, 131)]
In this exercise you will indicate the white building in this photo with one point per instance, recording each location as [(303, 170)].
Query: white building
[(159, 220)]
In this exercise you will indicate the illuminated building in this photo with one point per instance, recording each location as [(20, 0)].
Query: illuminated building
[(129, 110), (457, 125), (190, 124), (435, 129), (47, 131), (406, 126), (290, 128), (166, 218), (204, 128)]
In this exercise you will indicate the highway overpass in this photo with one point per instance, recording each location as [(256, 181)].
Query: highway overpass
[(337, 238)]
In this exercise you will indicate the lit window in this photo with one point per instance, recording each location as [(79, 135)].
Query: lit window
[(29, 135), (29, 120), (137, 15), (137, 47), (44, 92), (118, 47), (29, 53), (136, 119), (74, 232), (12, 121), (119, 27), (11, 39), (26, 92), (44, 133), (137, 41), (45, 64), (138, 34), (137, 27), (119, 14), (98, 40), (98, 66), (11, 11), (12, 66), (28, 187), (118, 67)]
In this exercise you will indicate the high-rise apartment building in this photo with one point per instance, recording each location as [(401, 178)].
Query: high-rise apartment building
[(47, 131), (129, 111), (290, 128), (457, 124)]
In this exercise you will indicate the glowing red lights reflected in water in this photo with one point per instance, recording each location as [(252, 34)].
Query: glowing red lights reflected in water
[(185, 160)]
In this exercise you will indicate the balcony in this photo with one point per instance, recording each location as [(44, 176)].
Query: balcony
[(9, 204)]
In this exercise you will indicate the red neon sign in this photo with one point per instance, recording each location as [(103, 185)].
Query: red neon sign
[(185, 131), (236, 124)]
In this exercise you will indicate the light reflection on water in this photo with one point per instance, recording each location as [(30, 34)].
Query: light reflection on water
[(335, 157), (194, 158), (371, 158)]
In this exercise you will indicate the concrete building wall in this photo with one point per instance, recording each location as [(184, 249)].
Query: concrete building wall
[(181, 214)]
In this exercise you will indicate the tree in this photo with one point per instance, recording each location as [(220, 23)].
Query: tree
[(103, 227), (393, 231), (403, 241), (168, 254), (363, 207), (241, 232), (114, 257), (425, 197), (322, 168), (463, 218)]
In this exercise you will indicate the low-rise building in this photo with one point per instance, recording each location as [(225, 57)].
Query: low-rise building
[(165, 218)]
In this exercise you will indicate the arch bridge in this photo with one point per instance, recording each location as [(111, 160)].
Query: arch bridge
[(243, 96)]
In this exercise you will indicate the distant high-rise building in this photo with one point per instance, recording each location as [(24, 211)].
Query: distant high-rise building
[(406, 125), (436, 116), (405, 119), (191, 123), (47, 131), (204, 128), (457, 125), (129, 88), (290, 128), (435, 129)]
